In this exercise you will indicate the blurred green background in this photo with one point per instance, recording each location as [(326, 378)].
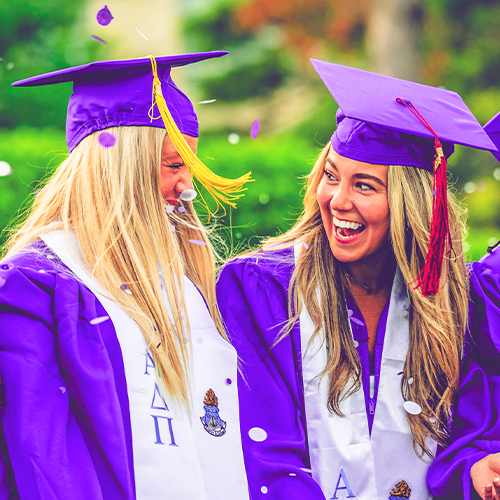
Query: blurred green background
[(267, 77)]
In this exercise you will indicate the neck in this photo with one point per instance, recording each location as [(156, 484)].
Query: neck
[(373, 275)]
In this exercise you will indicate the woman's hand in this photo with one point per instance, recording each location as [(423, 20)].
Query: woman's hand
[(485, 476)]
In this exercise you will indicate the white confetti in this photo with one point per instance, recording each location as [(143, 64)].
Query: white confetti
[(98, 320), (142, 34), (412, 408), (264, 489), (41, 271), (233, 138), (257, 434), (181, 209), (306, 246), (188, 195), (208, 101), (432, 420), (356, 343), (410, 380), (128, 291), (292, 474), (5, 169), (169, 209), (172, 227), (62, 389)]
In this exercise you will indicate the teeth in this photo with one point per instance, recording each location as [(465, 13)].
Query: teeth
[(346, 224)]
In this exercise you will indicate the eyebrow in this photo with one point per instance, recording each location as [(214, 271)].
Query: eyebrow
[(361, 175)]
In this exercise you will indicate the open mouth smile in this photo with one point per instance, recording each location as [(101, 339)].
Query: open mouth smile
[(347, 230)]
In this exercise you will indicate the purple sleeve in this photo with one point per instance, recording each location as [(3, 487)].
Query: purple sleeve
[(66, 428), (253, 301), (476, 427)]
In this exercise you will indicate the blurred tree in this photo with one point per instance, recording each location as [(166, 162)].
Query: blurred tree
[(38, 36)]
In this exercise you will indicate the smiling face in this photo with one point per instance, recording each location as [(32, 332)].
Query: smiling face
[(175, 176), (352, 196)]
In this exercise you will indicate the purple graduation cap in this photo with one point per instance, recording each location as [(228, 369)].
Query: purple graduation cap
[(388, 121), (138, 92), (492, 128)]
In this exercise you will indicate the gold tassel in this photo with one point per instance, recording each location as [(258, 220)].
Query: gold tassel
[(222, 190)]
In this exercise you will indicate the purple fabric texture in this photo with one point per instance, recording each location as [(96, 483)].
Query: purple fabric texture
[(476, 426), (66, 424), (362, 141), (492, 128), (119, 93), (252, 294)]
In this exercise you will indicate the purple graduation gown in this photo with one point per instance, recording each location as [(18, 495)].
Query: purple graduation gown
[(252, 294), (65, 416)]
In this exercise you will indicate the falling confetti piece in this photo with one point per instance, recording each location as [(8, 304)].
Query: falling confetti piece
[(356, 343), (292, 474), (106, 140), (254, 131), (410, 380), (264, 489), (432, 420), (257, 434), (158, 345), (142, 34), (99, 320), (412, 408), (10, 66), (62, 389), (197, 242), (229, 381), (260, 250), (36, 192), (356, 321), (169, 209), (41, 271), (123, 287), (209, 101), (181, 209), (233, 138), (349, 312), (97, 39), (400, 373), (309, 471), (172, 228), (104, 16), (188, 195), (5, 169), (128, 291), (434, 193), (306, 246)]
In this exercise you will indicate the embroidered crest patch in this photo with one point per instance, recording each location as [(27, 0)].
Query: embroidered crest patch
[(212, 423), (401, 490)]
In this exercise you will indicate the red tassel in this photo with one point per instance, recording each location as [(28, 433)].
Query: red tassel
[(440, 238)]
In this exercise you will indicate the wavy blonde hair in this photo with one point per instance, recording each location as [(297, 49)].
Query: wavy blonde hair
[(437, 324), (111, 199)]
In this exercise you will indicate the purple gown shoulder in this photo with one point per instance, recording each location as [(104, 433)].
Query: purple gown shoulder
[(475, 430), (65, 422), (252, 294)]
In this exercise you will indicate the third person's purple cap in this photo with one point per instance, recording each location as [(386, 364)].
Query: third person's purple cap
[(492, 128)]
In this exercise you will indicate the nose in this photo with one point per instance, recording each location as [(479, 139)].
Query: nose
[(184, 182), (341, 200)]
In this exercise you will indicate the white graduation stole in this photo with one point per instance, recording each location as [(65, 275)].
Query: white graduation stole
[(345, 460), (175, 457)]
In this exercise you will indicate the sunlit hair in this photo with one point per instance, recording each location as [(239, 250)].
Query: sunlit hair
[(437, 324), (111, 199)]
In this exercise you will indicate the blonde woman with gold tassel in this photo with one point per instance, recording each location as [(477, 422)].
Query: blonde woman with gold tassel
[(118, 380), (351, 326)]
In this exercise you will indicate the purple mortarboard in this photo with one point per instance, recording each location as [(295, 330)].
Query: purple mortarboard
[(492, 128), (372, 126), (137, 92), (112, 93), (388, 121)]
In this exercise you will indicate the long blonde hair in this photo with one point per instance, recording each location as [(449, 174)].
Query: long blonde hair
[(437, 324), (111, 199)]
